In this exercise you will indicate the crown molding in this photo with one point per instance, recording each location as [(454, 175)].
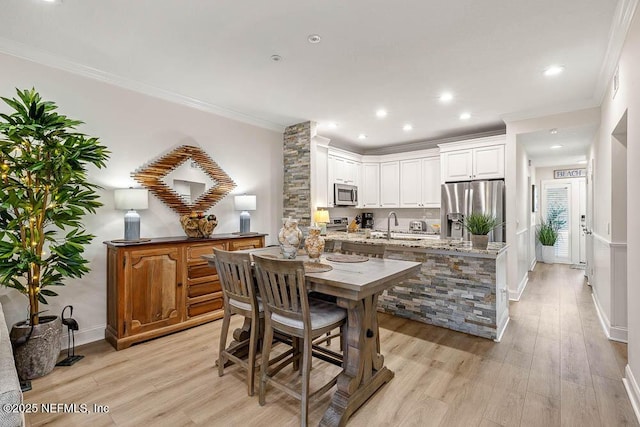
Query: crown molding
[(433, 143), (620, 25), (22, 51)]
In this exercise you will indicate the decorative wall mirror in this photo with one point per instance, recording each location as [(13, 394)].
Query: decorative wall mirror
[(186, 180)]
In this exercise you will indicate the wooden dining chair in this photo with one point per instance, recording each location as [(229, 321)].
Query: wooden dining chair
[(289, 310), (238, 290), (355, 248)]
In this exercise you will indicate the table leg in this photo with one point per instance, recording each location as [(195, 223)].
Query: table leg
[(364, 371)]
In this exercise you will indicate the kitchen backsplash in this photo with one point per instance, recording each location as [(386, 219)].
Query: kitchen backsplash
[(405, 216)]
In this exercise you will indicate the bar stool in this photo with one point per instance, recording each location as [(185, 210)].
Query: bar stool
[(289, 310), (354, 248), (238, 290)]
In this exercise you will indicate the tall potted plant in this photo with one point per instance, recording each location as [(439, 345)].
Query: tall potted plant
[(43, 199), (480, 225)]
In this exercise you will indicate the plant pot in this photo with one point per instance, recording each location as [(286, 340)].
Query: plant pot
[(479, 241), (38, 356), (548, 254)]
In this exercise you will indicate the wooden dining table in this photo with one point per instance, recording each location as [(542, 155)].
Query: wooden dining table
[(356, 286)]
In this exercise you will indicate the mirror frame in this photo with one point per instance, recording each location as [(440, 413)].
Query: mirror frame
[(150, 176)]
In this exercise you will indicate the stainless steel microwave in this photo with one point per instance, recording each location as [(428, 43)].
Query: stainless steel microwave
[(345, 195)]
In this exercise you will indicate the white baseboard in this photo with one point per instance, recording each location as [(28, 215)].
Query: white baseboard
[(84, 336), (633, 391), (614, 333), (515, 296), (533, 264), (501, 329)]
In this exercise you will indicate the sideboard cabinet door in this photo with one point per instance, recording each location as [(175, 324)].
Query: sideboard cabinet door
[(153, 289)]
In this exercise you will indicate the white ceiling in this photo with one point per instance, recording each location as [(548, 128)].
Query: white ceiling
[(574, 142), (397, 55)]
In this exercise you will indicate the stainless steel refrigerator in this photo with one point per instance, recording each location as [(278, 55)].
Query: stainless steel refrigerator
[(460, 199)]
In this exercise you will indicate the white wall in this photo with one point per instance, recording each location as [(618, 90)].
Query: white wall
[(627, 99), (137, 128), (523, 207)]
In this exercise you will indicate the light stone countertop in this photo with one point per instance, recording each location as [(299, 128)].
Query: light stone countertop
[(441, 245)]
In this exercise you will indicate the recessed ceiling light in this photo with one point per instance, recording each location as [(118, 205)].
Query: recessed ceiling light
[(553, 131), (465, 116), (407, 127), (314, 38), (332, 125), (382, 113), (582, 162), (52, 1), (553, 70), (555, 147), (446, 97), (276, 58), (362, 136)]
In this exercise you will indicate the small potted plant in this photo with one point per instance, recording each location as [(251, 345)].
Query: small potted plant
[(480, 225)]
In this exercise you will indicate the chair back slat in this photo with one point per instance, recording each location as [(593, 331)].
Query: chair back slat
[(234, 272), (282, 287), (354, 248)]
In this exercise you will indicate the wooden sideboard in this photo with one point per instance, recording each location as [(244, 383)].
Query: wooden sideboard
[(164, 285)]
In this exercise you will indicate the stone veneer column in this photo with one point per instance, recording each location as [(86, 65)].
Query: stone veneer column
[(297, 172)]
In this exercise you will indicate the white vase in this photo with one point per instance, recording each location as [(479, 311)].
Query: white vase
[(548, 254), (289, 237)]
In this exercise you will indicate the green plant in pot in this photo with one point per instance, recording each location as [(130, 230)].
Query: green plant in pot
[(480, 225), (43, 198), (547, 232)]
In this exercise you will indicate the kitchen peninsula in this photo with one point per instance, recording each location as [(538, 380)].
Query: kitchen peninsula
[(458, 287)]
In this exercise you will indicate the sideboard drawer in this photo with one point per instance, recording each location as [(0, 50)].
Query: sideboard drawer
[(195, 252), (246, 243), (208, 287), (204, 307)]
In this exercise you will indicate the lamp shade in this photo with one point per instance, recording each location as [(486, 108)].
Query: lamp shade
[(245, 202), (321, 216), (131, 198)]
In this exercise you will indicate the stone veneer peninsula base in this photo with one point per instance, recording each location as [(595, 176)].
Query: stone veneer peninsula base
[(458, 287)]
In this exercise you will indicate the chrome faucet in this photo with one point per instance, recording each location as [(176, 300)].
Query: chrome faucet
[(389, 223)]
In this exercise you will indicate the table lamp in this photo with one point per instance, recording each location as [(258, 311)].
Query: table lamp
[(245, 203), (321, 217), (131, 199)]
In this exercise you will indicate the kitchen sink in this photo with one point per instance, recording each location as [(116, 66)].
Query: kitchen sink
[(404, 236)]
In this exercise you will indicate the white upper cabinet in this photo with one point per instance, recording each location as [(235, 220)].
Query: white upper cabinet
[(420, 183), (389, 184), (472, 160), (343, 171), (431, 182), (488, 162), (369, 196), (457, 165), (411, 183)]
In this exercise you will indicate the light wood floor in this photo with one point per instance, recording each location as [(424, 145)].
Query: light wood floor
[(553, 367)]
